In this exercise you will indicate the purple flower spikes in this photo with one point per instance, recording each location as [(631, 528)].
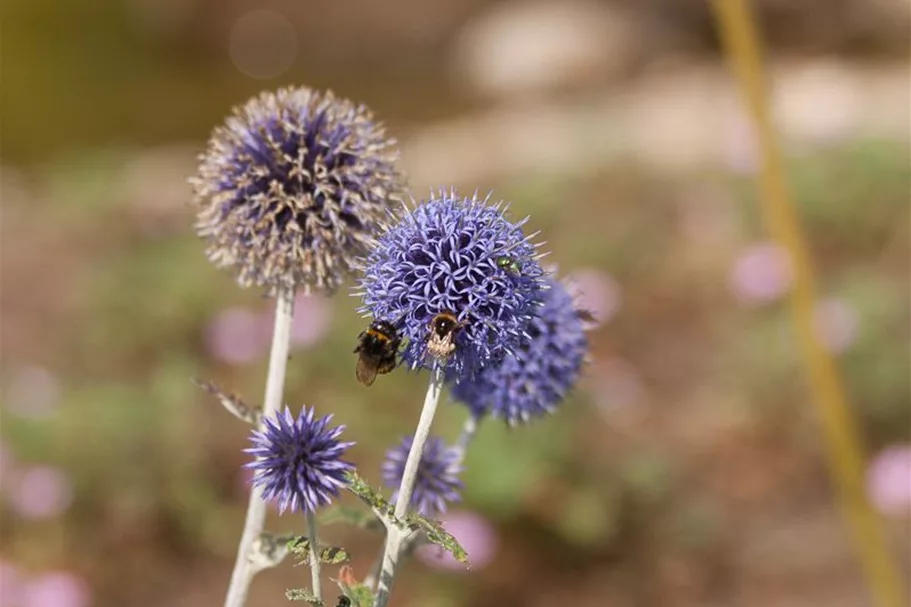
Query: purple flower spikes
[(534, 380), (437, 482), (298, 461), (460, 256)]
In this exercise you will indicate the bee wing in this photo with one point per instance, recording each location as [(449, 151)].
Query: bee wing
[(366, 372), (586, 315)]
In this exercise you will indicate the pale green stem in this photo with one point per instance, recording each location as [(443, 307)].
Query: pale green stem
[(314, 556), (256, 510), (395, 536)]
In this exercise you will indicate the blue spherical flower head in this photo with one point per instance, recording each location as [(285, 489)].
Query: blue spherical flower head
[(437, 483), (532, 381), (298, 460), (460, 258), (293, 187)]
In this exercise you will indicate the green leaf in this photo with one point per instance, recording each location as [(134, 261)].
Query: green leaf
[(299, 546), (433, 530), (359, 594), (299, 594), (435, 533)]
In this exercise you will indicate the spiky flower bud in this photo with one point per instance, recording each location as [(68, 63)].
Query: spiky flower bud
[(293, 187), (458, 280), (298, 460), (532, 381), (437, 482)]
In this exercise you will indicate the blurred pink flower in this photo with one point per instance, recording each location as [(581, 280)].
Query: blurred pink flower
[(12, 585), (889, 480), (836, 324), (238, 336), (41, 492), (597, 292), (761, 274), (312, 316), (56, 589), (33, 392), (476, 535)]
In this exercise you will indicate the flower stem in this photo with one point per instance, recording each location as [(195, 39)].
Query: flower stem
[(840, 430), (469, 428), (395, 536), (314, 556), (256, 510)]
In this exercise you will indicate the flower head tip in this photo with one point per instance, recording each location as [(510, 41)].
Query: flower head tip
[(458, 280), (293, 187), (298, 460)]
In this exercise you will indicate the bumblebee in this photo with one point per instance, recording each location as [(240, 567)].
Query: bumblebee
[(508, 264), (443, 329), (377, 348), (343, 601)]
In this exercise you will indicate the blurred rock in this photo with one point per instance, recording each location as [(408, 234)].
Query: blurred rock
[(820, 102), (517, 48), (674, 118)]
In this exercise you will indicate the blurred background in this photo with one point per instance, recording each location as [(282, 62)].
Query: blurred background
[(686, 470)]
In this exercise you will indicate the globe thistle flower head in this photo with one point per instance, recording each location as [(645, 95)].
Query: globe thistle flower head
[(437, 483), (435, 275), (298, 460), (293, 187), (532, 381)]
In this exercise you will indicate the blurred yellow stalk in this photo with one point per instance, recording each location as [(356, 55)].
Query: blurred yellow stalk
[(843, 442)]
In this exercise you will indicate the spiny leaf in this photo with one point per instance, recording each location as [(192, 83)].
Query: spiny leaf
[(299, 594), (331, 555), (268, 550), (358, 595), (233, 403), (370, 496), (353, 516), (435, 533)]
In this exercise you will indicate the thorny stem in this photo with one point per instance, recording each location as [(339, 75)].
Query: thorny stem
[(373, 576), (314, 556), (395, 536), (842, 437), (256, 510)]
